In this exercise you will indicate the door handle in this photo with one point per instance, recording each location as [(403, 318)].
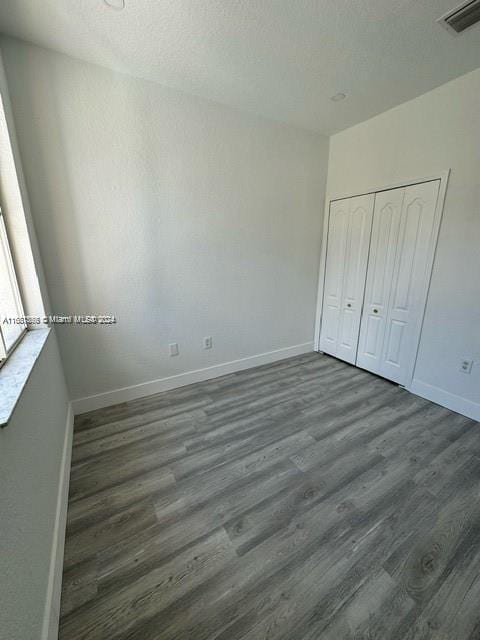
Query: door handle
[(375, 311), (349, 305)]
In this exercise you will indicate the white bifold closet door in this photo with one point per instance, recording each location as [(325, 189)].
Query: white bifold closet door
[(348, 241), (403, 223)]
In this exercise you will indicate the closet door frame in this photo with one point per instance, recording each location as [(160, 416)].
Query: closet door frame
[(442, 190)]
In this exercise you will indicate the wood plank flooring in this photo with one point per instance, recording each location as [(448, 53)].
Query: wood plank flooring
[(301, 500)]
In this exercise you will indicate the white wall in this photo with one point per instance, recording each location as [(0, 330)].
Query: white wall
[(31, 445), (420, 138), (31, 448), (181, 217)]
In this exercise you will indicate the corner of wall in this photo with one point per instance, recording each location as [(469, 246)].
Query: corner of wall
[(54, 589)]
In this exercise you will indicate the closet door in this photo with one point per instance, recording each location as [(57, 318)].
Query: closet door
[(386, 223), (397, 277), (334, 272), (346, 265)]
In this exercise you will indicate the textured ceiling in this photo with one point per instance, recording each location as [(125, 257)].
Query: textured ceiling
[(282, 59)]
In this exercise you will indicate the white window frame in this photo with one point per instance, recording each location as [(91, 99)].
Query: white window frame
[(15, 289)]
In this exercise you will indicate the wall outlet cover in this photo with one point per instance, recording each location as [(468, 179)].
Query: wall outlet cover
[(466, 366)]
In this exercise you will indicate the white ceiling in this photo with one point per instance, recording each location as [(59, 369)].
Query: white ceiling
[(279, 58)]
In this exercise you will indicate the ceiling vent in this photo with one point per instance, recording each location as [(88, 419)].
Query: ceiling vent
[(462, 17)]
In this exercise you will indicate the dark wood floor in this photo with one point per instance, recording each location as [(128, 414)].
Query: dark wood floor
[(301, 500)]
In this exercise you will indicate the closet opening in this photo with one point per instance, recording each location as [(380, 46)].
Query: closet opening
[(377, 261)]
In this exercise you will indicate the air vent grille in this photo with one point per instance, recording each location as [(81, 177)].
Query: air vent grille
[(462, 17)]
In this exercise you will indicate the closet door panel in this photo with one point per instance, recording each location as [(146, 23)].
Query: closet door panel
[(334, 272), (345, 272), (385, 230), (409, 279), (356, 257), (373, 332), (394, 343)]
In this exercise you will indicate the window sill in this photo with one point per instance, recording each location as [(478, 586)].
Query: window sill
[(15, 372)]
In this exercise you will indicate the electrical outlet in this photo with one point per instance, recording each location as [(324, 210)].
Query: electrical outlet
[(466, 366), (207, 342), (173, 348)]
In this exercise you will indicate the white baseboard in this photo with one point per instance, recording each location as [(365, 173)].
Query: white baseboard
[(446, 399), (116, 396), (54, 589)]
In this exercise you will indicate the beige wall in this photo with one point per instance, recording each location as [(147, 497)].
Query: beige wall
[(184, 218), (420, 138)]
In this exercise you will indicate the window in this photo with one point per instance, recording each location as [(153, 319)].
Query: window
[(17, 276), (11, 308)]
